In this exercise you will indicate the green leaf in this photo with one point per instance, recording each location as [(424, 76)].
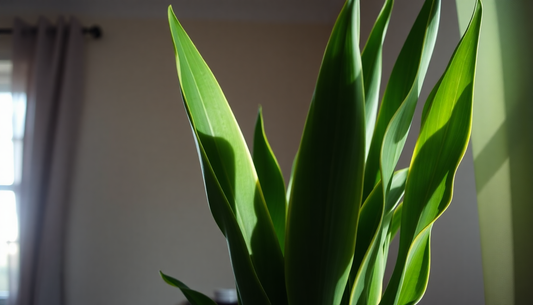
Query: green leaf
[(223, 150), (367, 249), (416, 276), (289, 187), (327, 184), (401, 96), (270, 178), (395, 222), (440, 147), (194, 297), (247, 281), (371, 58), (372, 241), (398, 129)]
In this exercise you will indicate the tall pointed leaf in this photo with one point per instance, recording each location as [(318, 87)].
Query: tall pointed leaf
[(400, 98), (218, 134), (371, 62), (398, 129), (270, 178), (440, 147), (327, 184)]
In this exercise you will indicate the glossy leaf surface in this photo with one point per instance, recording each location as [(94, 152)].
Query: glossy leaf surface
[(440, 147), (247, 281), (371, 58), (222, 146), (399, 125), (327, 183), (270, 178), (401, 96), (372, 241)]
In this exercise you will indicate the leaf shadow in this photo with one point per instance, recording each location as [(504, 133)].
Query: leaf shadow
[(222, 158), (429, 187), (267, 260)]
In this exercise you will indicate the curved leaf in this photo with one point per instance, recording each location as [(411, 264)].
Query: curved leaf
[(371, 58), (327, 184), (289, 186), (193, 296), (416, 276), (440, 147), (218, 134), (395, 222), (270, 178), (400, 98), (372, 241)]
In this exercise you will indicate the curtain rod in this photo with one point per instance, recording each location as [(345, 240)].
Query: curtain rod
[(95, 31)]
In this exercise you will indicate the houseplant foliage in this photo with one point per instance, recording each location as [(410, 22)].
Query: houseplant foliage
[(325, 239)]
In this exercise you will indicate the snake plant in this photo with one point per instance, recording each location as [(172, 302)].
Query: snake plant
[(325, 239)]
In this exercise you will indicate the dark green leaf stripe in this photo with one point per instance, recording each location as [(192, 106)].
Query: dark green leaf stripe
[(400, 98), (218, 134), (327, 183), (371, 58), (440, 147), (194, 297), (270, 178), (366, 258)]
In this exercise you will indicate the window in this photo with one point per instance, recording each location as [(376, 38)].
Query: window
[(11, 132)]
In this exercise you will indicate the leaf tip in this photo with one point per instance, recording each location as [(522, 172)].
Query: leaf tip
[(479, 7), (170, 11), (172, 16)]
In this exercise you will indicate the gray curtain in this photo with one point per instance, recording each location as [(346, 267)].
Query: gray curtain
[(47, 73)]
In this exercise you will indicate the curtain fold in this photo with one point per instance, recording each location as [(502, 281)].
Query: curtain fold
[(47, 74)]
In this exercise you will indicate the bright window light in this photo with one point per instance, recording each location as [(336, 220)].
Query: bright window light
[(7, 165), (8, 217), (12, 115)]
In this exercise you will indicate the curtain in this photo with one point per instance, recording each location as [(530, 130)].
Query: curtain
[(47, 74)]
